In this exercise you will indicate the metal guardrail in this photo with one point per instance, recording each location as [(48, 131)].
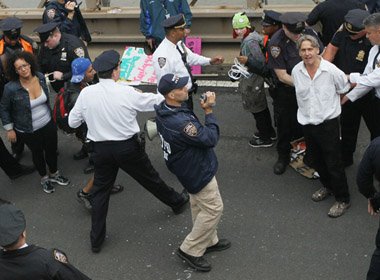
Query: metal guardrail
[(118, 27)]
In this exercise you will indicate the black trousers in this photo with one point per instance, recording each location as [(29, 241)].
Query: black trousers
[(128, 155), (264, 124), (43, 144), (374, 267), (18, 147), (285, 114), (7, 162), (323, 145), (367, 107)]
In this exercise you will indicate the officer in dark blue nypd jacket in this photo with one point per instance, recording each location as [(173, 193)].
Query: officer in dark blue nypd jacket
[(188, 152)]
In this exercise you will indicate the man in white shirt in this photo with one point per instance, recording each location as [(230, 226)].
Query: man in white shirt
[(318, 84), (173, 57), (370, 79), (109, 110)]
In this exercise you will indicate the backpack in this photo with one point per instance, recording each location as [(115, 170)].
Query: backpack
[(63, 103)]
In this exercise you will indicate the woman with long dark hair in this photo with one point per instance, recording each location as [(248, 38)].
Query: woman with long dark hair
[(26, 115)]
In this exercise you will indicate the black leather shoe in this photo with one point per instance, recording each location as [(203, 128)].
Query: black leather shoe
[(199, 263), (279, 167), (222, 244), (23, 170), (81, 154), (95, 249), (116, 189), (89, 169), (178, 209)]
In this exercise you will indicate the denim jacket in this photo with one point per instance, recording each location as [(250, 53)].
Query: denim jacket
[(15, 105)]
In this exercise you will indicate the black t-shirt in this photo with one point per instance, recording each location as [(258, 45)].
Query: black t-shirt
[(331, 15), (352, 55)]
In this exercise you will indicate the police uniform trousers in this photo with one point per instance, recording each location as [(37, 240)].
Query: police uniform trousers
[(108, 157), (285, 114), (206, 210), (264, 124), (374, 267), (369, 107), (323, 144), (43, 144), (8, 163)]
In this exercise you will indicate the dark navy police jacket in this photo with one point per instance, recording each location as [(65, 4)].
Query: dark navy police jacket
[(188, 145)]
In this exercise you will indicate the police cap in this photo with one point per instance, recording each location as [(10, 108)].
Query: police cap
[(106, 61), (271, 18), (45, 30), (177, 21), (11, 27), (353, 20), (170, 82), (12, 224), (294, 21)]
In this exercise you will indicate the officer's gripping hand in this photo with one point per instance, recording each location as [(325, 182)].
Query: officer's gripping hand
[(217, 60)]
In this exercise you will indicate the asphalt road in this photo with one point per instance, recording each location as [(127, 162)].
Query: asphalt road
[(277, 231)]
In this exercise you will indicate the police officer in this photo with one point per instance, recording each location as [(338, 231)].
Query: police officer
[(10, 41), (349, 50), (189, 153), (172, 56), (331, 15), (18, 260), (68, 14), (369, 168), (109, 110), (283, 56), (57, 52), (153, 13), (371, 75)]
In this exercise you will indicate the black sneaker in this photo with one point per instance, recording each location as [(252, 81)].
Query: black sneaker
[(47, 186), (59, 179), (260, 143), (273, 135), (223, 244), (83, 199)]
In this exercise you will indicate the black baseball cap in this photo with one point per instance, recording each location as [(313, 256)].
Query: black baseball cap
[(11, 27), (106, 61), (170, 82), (12, 224)]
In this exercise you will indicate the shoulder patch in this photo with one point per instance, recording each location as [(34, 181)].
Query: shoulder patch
[(60, 256), (161, 61), (79, 52), (50, 13), (190, 129), (275, 51)]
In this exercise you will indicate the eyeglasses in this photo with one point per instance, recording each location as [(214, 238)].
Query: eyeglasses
[(24, 66)]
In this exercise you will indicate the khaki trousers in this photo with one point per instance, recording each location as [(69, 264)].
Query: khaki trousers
[(206, 210)]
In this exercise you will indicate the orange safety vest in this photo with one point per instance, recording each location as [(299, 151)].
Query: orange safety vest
[(25, 45), (266, 39)]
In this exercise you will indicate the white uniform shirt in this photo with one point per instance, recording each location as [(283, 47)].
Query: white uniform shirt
[(369, 79), (167, 60), (109, 110), (318, 99)]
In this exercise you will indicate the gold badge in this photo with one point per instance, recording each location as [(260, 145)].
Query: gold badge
[(360, 55), (190, 129), (60, 256)]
